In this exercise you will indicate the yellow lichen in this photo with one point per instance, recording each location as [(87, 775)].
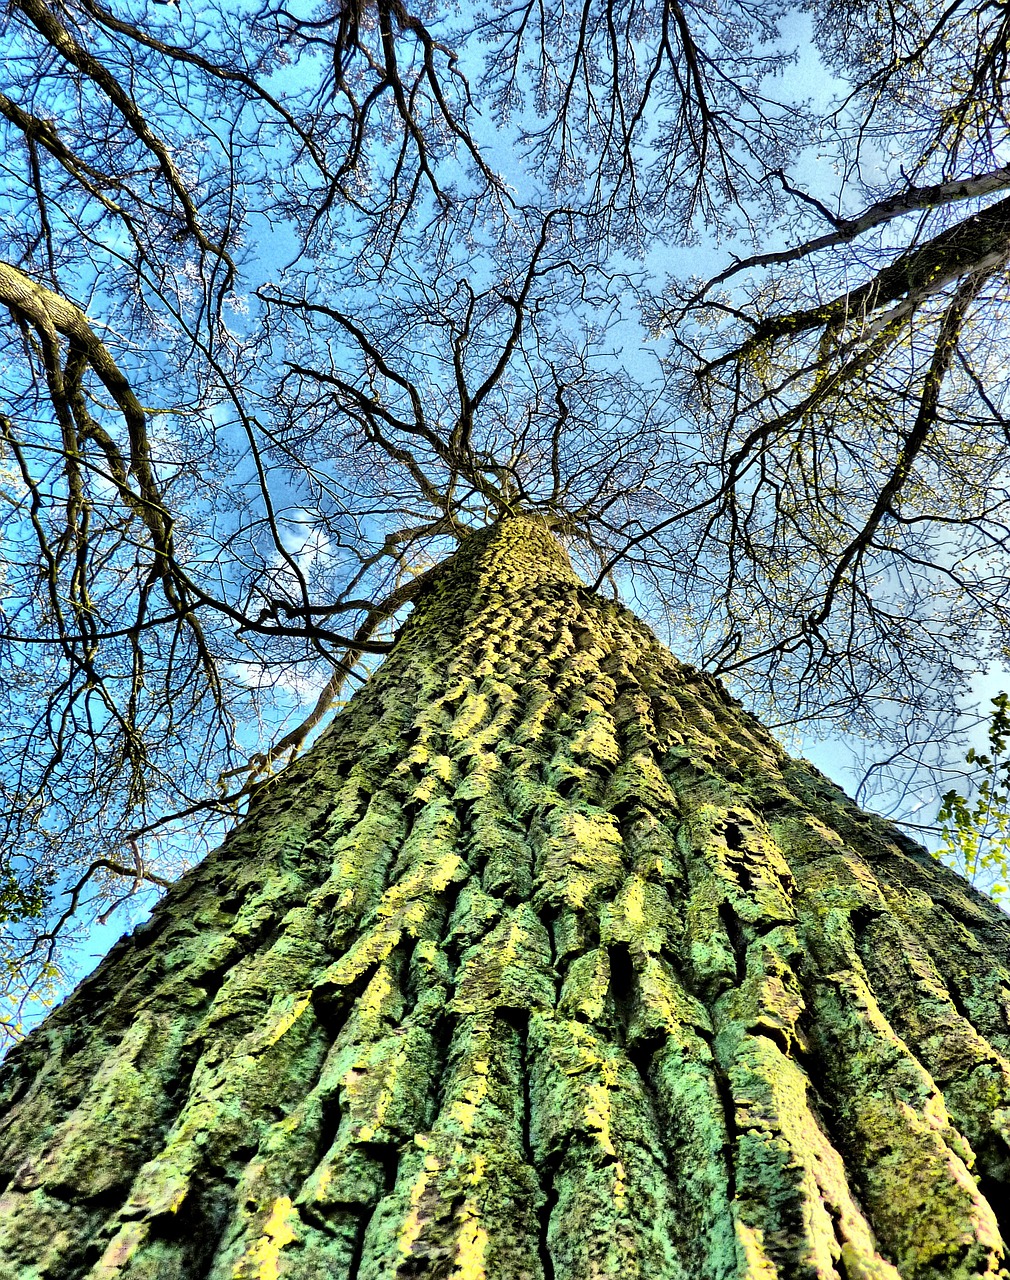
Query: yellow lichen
[(471, 1245), (261, 1259)]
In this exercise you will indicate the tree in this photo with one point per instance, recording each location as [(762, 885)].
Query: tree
[(299, 298), (302, 302), (545, 961)]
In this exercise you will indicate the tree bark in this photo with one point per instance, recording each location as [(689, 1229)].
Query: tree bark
[(545, 963)]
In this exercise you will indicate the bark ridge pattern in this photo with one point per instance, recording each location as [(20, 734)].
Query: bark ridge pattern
[(546, 963)]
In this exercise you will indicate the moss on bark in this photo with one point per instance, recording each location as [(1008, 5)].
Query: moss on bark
[(546, 963)]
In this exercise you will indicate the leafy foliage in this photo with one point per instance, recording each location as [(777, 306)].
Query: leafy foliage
[(976, 828)]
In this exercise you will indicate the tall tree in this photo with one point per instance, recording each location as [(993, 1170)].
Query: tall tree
[(299, 296), (545, 961)]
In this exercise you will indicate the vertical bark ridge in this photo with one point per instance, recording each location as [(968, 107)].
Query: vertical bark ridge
[(545, 963)]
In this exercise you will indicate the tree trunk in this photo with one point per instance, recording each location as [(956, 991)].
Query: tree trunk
[(545, 963)]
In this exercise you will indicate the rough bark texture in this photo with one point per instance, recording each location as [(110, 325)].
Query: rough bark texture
[(546, 962)]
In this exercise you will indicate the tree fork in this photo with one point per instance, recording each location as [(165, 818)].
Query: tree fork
[(546, 962)]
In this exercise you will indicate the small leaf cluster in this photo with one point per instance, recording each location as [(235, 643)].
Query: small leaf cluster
[(976, 832), (20, 901)]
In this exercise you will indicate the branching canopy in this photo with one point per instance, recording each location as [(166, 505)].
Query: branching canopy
[(296, 295)]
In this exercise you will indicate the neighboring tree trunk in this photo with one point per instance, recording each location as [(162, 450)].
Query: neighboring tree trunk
[(546, 962)]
